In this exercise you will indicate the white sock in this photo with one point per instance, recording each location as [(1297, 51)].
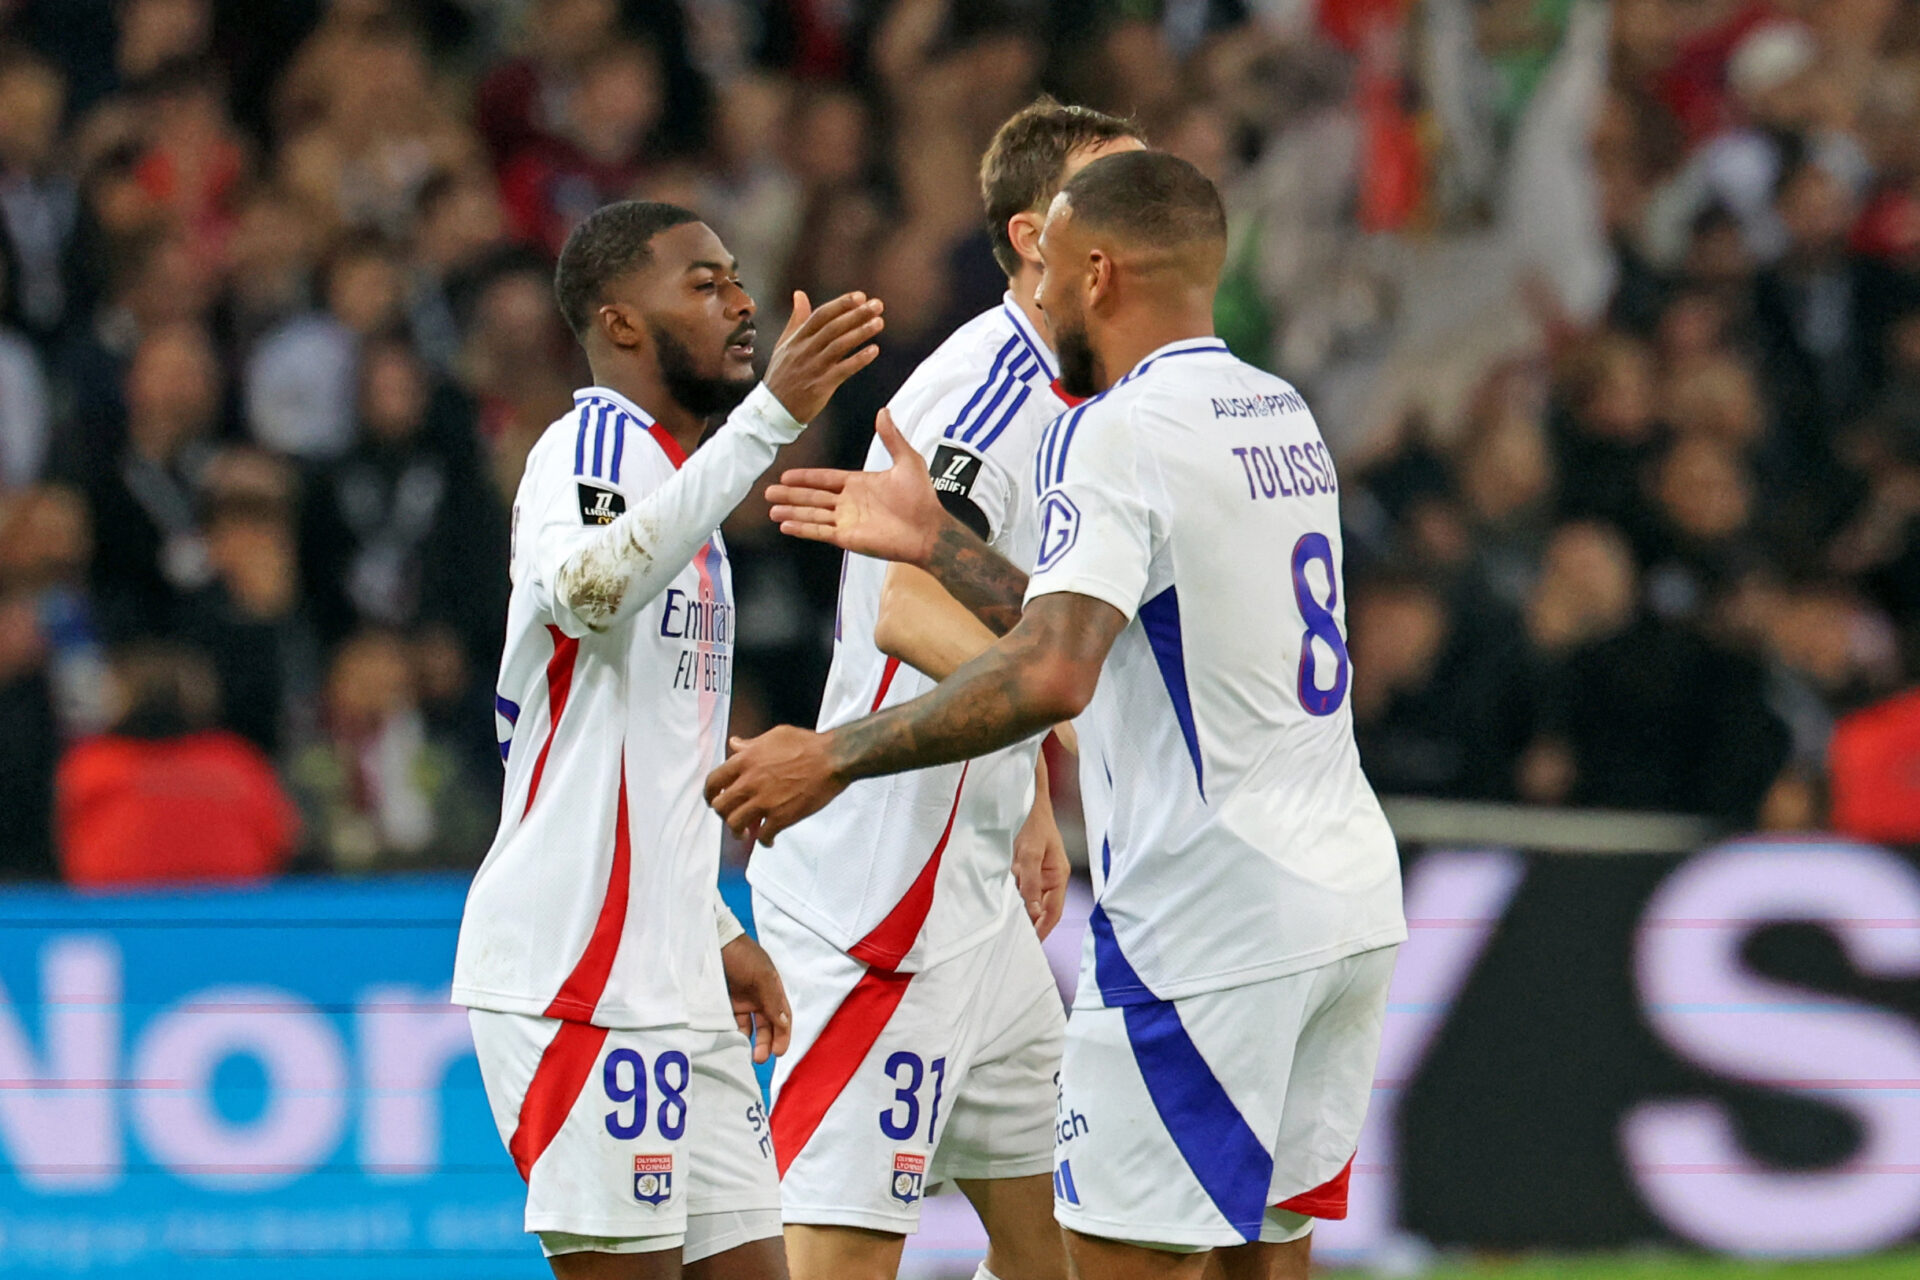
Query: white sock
[(981, 1273)]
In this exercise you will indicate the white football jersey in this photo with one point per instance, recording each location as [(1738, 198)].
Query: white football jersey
[(1233, 835), (595, 902), (904, 871)]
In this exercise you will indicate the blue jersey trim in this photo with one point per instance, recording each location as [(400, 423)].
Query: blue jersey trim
[(1020, 326), (1008, 382), (509, 711), (986, 385), (600, 440), (987, 442), (1160, 619), (620, 425), (1227, 1158), (580, 442)]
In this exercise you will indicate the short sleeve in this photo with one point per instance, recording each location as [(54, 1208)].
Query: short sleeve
[(555, 512), (973, 483), (1096, 525)]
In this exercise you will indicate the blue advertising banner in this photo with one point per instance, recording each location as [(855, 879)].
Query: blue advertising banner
[(247, 1082)]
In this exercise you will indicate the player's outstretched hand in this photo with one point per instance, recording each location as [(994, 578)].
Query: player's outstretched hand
[(759, 997), (821, 349), (891, 515), (772, 781)]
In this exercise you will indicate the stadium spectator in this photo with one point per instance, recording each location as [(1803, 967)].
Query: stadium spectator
[(301, 378), (550, 183), (25, 411), (522, 100), (146, 500), (164, 796), (38, 201), (253, 620), (377, 789), (402, 531)]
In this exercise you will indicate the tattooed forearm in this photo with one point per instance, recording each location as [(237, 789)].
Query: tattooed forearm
[(1043, 672), (978, 576), (992, 702)]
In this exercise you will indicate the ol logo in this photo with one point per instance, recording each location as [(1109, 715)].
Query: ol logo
[(652, 1178), (1059, 527), (909, 1171)]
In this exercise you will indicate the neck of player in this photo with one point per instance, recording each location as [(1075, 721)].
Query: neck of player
[(648, 390), (1023, 286), (1143, 323)]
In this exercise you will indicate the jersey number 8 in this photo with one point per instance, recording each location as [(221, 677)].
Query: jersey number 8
[(1321, 626)]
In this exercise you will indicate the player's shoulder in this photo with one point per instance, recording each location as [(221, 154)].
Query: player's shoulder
[(1199, 381), (975, 381), (603, 441)]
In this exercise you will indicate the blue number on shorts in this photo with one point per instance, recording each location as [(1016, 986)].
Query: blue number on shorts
[(939, 1068), (673, 1095), (909, 1093), (617, 1093), (1321, 626)]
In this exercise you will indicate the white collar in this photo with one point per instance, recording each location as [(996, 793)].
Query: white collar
[(1024, 327), (618, 401)]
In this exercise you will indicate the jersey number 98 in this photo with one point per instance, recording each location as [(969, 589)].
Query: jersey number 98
[(1321, 626), (624, 1076)]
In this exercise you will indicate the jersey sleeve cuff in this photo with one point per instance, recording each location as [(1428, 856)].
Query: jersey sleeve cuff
[(762, 416), (1127, 602), (725, 921)]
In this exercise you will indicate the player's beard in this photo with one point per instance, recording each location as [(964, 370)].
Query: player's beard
[(1076, 361), (699, 395)]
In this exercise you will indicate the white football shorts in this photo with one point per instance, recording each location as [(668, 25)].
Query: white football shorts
[(631, 1141), (1220, 1118), (897, 1082)]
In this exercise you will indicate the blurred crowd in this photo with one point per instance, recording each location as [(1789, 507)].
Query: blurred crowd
[(1609, 311)]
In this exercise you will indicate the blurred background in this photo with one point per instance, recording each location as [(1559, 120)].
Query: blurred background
[(1609, 312)]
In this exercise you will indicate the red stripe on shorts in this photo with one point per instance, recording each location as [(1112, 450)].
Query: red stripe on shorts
[(559, 685), (555, 1086), (580, 995), (818, 1078), (892, 938), (1328, 1200)]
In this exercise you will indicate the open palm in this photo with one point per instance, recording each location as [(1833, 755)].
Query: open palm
[(891, 515)]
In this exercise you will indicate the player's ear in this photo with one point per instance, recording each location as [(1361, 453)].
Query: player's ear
[(1099, 278), (1023, 229), (621, 325)]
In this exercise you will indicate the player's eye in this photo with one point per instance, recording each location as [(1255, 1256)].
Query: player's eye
[(705, 286)]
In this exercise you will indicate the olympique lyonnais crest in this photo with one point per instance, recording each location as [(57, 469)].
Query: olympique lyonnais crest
[(652, 1178), (909, 1171)]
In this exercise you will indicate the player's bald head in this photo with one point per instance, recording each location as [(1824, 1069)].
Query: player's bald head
[(1147, 205)]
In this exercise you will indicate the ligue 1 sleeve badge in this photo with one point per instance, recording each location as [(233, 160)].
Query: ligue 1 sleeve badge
[(909, 1171), (652, 1178)]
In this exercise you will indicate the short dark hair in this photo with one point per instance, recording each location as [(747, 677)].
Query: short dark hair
[(1149, 196), (611, 242), (1023, 164)]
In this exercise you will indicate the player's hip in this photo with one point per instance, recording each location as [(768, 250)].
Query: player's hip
[(895, 1081), (1185, 1122), (623, 1133)]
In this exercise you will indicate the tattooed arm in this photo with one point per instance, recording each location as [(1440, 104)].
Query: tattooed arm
[(1041, 672), (895, 515)]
